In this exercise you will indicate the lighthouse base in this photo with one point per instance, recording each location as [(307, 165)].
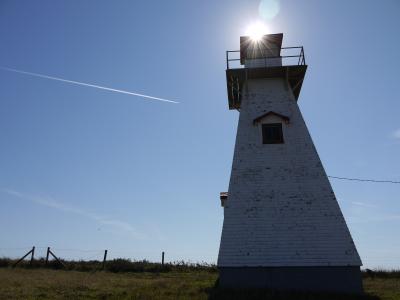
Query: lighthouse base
[(316, 279)]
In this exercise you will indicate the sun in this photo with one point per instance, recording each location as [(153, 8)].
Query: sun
[(256, 31)]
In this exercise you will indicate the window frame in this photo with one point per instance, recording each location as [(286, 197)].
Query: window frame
[(270, 141)]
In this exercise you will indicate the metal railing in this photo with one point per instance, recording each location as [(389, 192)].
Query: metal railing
[(290, 59)]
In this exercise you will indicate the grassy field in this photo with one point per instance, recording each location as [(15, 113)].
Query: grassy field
[(23, 283)]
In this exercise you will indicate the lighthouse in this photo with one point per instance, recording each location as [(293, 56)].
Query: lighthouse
[(283, 227)]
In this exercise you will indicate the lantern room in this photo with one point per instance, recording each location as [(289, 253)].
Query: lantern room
[(263, 58)]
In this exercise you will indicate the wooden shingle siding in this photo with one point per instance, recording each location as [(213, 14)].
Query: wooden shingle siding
[(281, 209)]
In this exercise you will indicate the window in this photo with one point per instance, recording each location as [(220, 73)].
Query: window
[(272, 133)]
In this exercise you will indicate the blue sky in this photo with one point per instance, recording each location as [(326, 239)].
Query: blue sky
[(86, 169)]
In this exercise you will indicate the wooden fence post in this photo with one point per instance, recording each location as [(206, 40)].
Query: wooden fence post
[(162, 258), (22, 258), (56, 258), (47, 255), (104, 259), (32, 255)]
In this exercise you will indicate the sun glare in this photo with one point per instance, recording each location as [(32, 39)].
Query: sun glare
[(256, 31)]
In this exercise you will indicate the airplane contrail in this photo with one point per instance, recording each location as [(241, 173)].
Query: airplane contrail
[(85, 84)]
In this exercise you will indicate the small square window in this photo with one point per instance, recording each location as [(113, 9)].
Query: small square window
[(272, 133)]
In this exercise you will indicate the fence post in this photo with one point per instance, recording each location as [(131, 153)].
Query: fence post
[(162, 258), (104, 259), (47, 255), (23, 257), (57, 259), (32, 255)]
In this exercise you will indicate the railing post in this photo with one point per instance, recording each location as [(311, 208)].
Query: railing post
[(162, 258), (298, 62), (227, 60), (238, 88)]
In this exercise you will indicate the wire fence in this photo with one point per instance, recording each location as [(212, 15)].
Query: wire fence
[(388, 261), (102, 255), (365, 180)]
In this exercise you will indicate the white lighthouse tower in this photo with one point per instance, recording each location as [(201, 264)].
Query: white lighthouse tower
[(283, 227)]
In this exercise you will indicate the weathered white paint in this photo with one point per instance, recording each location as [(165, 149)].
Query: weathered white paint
[(281, 209)]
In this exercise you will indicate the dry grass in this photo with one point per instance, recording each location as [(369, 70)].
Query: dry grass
[(58, 284), (384, 288)]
